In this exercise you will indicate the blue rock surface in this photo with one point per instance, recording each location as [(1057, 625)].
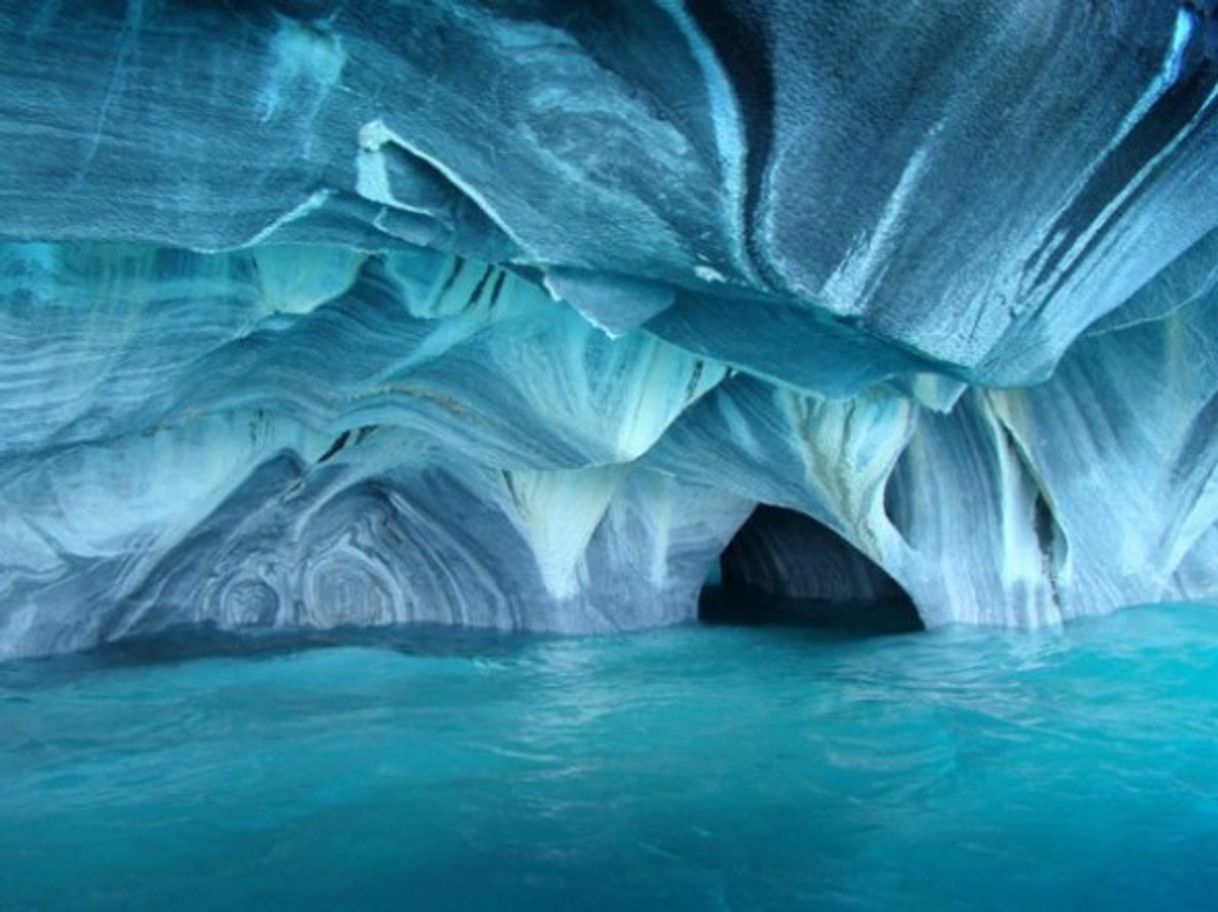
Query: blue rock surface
[(508, 313)]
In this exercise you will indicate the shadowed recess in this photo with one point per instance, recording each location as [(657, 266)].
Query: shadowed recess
[(786, 568)]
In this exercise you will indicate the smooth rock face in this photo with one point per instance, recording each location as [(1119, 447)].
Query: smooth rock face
[(509, 312)]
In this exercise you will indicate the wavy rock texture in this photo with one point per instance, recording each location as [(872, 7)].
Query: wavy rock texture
[(509, 312)]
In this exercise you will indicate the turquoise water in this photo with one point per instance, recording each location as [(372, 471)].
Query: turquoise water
[(696, 768)]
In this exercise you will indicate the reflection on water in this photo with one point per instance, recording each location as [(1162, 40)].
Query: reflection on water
[(693, 768)]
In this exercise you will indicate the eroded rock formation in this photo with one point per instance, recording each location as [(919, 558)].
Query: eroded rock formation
[(509, 312)]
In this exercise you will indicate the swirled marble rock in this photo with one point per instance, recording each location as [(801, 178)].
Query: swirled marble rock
[(510, 312)]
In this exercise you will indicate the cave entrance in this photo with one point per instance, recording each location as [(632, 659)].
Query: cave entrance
[(783, 567)]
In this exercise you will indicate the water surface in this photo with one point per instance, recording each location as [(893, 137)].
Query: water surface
[(696, 768)]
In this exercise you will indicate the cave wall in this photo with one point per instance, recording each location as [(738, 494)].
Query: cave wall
[(510, 312)]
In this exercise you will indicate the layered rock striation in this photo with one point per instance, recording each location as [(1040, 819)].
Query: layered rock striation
[(510, 312)]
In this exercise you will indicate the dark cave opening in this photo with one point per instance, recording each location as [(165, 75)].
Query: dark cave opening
[(785, 568)]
